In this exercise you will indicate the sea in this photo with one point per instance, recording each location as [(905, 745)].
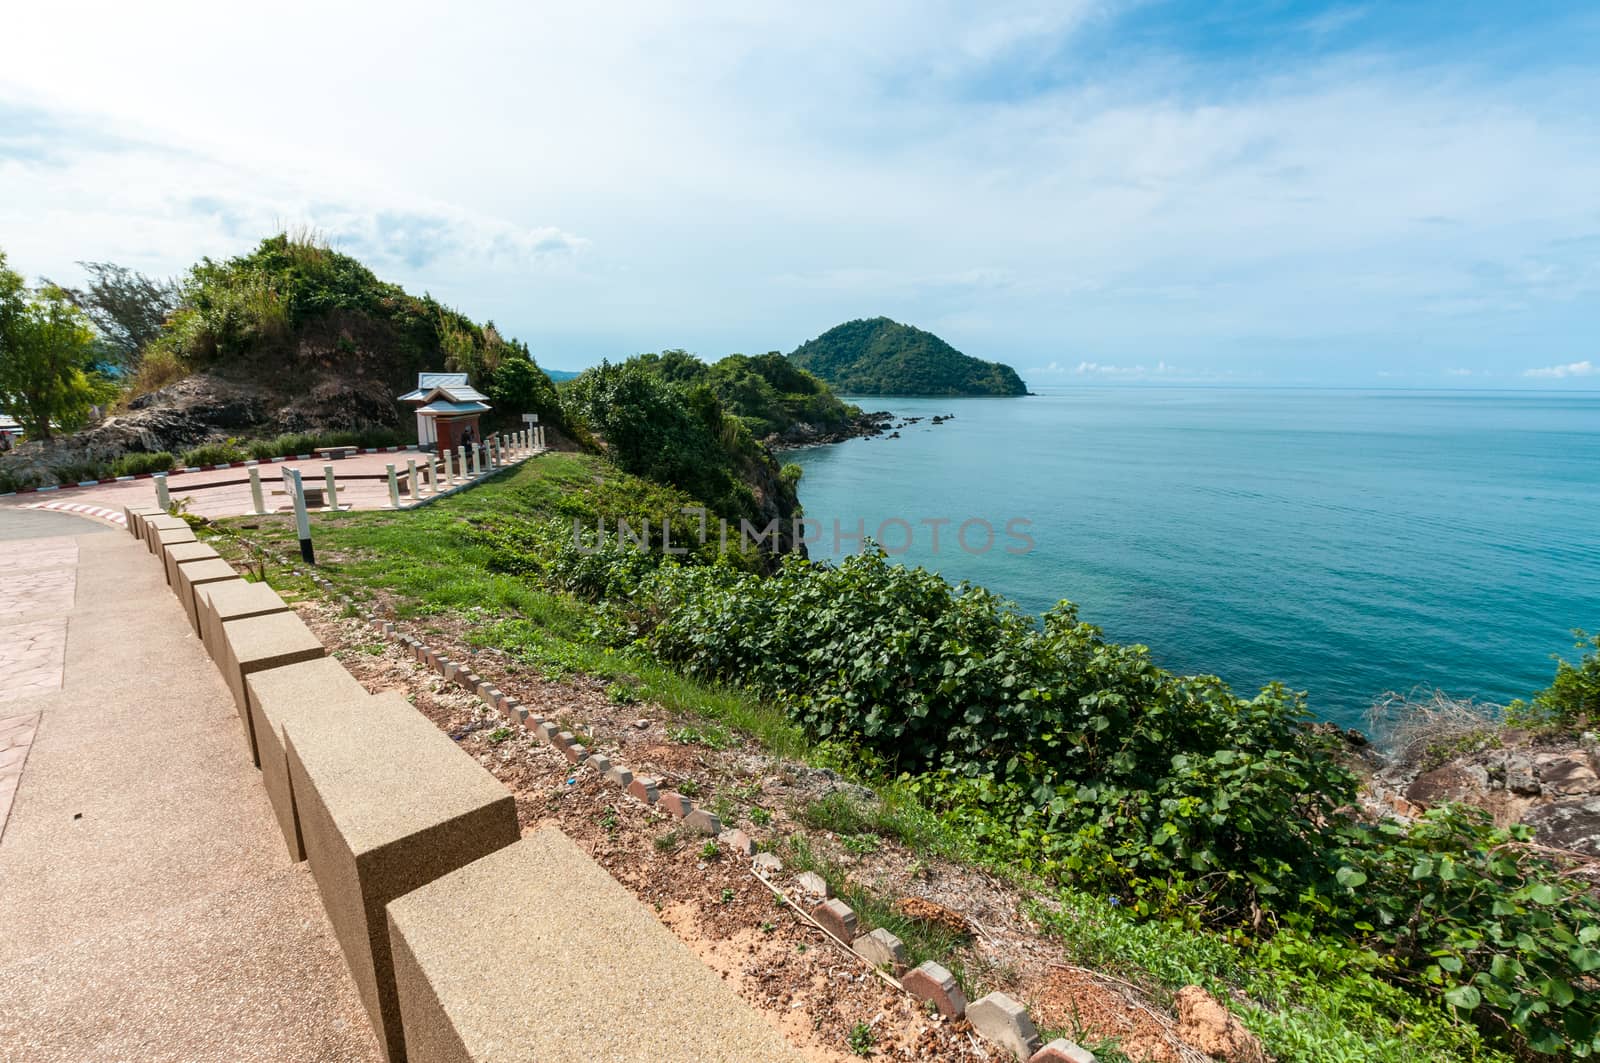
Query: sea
[(1348, 543)]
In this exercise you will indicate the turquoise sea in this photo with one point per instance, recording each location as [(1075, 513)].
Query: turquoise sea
[(1345, 542)]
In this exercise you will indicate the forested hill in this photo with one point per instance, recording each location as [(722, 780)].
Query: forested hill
[(877, 356)]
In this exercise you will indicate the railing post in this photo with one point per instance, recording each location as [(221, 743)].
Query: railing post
[(302, 519), (461, 461), (477, 459), (411, 478), (258, 507), (394, 488), (162, 498), (333, 492), (449, 468)]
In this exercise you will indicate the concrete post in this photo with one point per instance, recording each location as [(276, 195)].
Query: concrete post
[(302, 519), (411, 478), (257, 507), (461, 461), (449, 469), (394, 488), (477, 459), (333, 492), (162, 499)]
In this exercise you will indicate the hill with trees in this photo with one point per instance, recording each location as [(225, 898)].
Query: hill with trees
[(291, 338), (877, 356), (774, 398)]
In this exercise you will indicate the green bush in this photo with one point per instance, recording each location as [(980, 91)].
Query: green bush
[(1572, 699), (78, 472), (136, 463), (1057, 752), (214, 454)]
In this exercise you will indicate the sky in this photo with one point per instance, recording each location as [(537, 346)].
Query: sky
[(1395, 194)]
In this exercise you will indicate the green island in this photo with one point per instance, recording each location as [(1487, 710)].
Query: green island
[(877, 356), (1160, 828)]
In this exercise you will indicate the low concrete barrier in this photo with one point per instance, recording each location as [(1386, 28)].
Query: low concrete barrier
[(483, 972), (217, 603), (160, 522), (279, 697), (197, 574), (135, 518), (255, 644), (182, 554), (383, 809)]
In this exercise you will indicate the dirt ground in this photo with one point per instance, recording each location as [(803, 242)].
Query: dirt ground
[(804, 983)]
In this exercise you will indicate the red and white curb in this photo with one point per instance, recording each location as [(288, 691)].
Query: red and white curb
[(114, 517)]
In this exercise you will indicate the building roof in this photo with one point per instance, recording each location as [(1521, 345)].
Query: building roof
[(453, 386), (443, 406)]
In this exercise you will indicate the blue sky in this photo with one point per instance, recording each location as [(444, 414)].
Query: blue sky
[(1398, 194)]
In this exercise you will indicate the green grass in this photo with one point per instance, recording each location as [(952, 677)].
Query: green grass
[(430, 562)]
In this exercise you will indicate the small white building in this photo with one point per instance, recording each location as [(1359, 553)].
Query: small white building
[(448, 409)]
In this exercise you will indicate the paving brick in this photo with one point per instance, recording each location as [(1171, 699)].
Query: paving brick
[(937, 986), (380, 816), (644, 788), (881, 949), (546, 731), (576, 752), (257, 643), (675, 804), (737, 841), (599, 762), (837, 918), (768, 864), (619, 776), (813, 885), (1002, 1021), (1062, 1050), (703, 821)]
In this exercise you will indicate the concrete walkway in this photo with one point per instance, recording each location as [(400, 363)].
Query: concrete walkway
[(148, 910)]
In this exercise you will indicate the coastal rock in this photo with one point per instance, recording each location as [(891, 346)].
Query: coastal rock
[(1566, 774), (1519, 775), (1571, 824), (1211, 1028), (1453, 782)]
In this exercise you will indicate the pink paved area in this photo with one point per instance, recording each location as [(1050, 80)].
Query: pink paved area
[(226, 492), (148, 908)]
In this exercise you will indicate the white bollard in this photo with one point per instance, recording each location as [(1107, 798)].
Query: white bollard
[(477, 459), (449, 469), (461, 461), (302, 520), (333, 492), (259, 508), (394, 488), (162, 499), (411, 478)]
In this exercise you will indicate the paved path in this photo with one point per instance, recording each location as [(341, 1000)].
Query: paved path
[(362, 483), (148, 910)]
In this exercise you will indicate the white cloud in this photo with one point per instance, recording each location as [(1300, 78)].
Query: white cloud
[(1096, 369), (1562, 372), (735, 176)]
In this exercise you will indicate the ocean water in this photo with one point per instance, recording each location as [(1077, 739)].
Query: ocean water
[(1345, 542)]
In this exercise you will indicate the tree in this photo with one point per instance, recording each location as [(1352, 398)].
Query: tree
[(47, 355), (127, 308)]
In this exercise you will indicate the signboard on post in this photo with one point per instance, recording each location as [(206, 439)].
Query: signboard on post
[(530, 418)]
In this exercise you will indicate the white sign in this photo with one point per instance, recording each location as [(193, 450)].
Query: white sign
[(530, 418)]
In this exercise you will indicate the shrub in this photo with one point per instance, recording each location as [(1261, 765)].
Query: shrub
[(159, 367), (137, 463), (1573, 697), (214, 454), (79, 472)]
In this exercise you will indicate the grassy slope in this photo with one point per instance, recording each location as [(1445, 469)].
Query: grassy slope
[(430, 563)]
